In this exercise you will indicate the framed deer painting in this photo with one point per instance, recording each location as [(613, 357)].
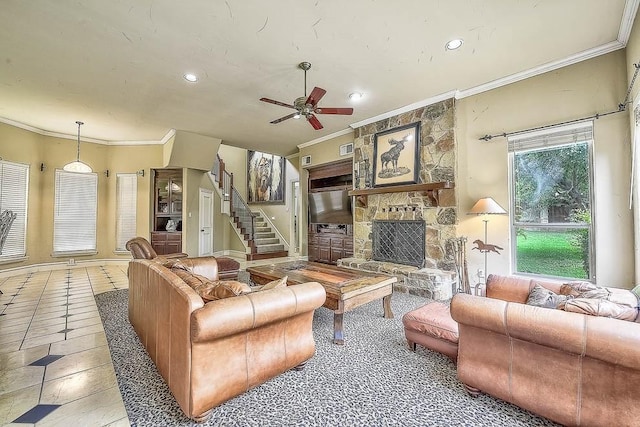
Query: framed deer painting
[(396, 156)]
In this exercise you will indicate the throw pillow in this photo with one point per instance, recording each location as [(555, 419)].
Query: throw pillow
[(601, 307), (540, 296), (223, 289), (636, 291), (576, 288), (278, 283)]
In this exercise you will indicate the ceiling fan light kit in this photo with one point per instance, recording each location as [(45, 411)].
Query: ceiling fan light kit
[(307, 106)]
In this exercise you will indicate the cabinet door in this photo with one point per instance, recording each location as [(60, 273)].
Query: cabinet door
[(324, 254), (313, 253), (175, 185), (336, 254), (162, 196)]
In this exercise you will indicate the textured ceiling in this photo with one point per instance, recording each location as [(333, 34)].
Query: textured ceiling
[(118, 65)]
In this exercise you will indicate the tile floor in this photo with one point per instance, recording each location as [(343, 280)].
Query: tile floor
[(55, 366)]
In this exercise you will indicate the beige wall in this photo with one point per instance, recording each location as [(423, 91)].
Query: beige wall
[(22, 146), (580, 90), (633, 57)]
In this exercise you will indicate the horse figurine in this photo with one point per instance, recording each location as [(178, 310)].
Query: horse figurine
[(486, 247)]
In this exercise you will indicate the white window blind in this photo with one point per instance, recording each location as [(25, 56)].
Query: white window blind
[(127, 190), (14, 189), (75, 212), (552, 137)]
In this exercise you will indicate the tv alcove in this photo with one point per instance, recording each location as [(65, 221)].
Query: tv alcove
[(330, 241)]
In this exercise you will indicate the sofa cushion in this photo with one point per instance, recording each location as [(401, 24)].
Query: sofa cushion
[(542, 297), (278, 283)]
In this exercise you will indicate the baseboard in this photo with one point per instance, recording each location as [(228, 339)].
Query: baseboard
[(33, 268), (230, 253)]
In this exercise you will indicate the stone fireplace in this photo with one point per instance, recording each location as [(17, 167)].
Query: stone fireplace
[(437, 161)]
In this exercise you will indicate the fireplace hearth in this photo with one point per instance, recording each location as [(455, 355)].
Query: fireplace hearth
[(401, 242)]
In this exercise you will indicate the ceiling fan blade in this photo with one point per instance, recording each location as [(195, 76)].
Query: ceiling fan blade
[(281, 119), (272, 101), (330, 110), (315, 96), (314, 121)]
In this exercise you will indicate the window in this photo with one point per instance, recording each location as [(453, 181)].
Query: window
[(75, 211), (127, 191), (14, 186), (551, 202)]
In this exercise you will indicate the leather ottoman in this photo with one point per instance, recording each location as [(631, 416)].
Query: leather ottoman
[(227, 268), (432, 327)]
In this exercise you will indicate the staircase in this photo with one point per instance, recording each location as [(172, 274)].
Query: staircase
[(260, 238)]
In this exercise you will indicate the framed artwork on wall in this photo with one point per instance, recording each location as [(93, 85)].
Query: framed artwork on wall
[(396, 156), (265, 178)]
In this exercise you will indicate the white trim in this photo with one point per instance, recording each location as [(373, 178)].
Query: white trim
[(407, 108), (43, 132), (626, 24), (460, 94), (544, 68), (231, 253), (326, 137)]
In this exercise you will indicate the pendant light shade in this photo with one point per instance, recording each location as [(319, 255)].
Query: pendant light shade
[(78, 166)]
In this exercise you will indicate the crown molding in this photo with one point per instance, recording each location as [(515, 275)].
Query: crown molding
[(405, 109), (325, 138), (544, 68), (74, 137), (626, 24)]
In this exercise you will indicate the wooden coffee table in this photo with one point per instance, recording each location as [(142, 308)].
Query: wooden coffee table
[(346, 289)]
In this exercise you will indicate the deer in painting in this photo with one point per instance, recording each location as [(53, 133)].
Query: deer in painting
[(393, 154)]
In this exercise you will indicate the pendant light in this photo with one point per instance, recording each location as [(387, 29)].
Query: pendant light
[(78, 166)]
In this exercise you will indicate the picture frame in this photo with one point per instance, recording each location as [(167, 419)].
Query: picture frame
[(265, 178), (396, 156)]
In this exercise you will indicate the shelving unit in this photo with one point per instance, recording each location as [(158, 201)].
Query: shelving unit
[(168, 194)]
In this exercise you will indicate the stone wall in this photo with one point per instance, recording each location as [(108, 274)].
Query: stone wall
[(437, 153)]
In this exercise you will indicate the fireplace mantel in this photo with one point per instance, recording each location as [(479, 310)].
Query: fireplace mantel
[(429, 189)]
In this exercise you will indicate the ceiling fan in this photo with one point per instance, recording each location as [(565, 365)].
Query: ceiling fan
[(307, 106)]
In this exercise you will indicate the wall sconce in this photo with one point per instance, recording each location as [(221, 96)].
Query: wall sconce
[(106, 173), (42, 167), (140, 173)]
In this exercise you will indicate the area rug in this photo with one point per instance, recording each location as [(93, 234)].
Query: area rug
[(373, 380)]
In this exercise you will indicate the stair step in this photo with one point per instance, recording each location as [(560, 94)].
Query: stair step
[(270, 241), (263, 229), (269, 248), (264, 235)]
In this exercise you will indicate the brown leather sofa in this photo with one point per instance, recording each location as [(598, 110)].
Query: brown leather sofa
[(572, 368), (210, 353)]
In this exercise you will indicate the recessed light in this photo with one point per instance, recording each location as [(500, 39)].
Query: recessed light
[(355, 96), (190, 77), (454, 44)]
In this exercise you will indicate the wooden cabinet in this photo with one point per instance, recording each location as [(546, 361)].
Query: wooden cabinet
[(330, 242), (166, 236)]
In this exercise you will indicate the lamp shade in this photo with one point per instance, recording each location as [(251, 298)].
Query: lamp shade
[(487, 206)]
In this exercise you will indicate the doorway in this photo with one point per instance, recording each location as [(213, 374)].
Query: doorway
[(205, 220)]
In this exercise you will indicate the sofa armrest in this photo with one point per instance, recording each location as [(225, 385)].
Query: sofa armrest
[(176, 255), (230, 316)]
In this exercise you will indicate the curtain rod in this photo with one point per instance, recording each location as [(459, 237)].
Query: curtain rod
[(621, 108)]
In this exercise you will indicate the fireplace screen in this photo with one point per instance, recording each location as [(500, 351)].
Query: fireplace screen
[(400, 242)]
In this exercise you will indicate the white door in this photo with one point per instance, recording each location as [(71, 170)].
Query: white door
[(206, 222)]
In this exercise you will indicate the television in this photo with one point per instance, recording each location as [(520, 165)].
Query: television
[(330, 207)]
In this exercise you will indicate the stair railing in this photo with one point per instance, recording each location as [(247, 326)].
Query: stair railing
[(241, 210), (225, 179)]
